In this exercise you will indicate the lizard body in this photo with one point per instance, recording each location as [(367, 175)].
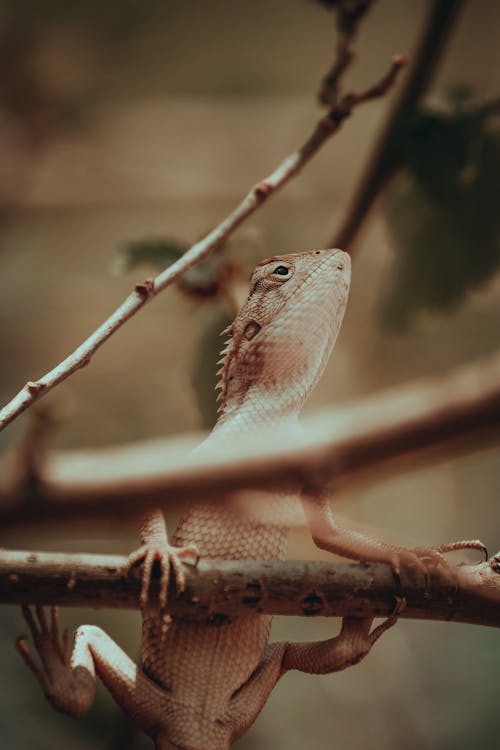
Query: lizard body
[(204, 683)]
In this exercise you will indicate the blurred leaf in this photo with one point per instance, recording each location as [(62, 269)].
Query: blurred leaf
[(156, 253), (443, 214), (203, 281)]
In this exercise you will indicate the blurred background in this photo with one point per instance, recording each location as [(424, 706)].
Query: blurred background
[(127, 130)]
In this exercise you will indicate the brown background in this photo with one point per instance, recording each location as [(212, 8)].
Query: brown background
[(173, 124)]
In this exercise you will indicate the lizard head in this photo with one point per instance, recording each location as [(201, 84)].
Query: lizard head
[(280, 341)]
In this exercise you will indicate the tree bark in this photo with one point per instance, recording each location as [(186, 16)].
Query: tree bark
[(224, 589)]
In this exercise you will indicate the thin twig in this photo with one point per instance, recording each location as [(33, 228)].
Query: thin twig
[(148, 289), (348, 17), (385, 159), (223, 589), (383, 432)]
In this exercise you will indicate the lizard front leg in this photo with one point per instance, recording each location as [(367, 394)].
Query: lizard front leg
[(319, 657), (329, 536), (69, 680), (352, 644), (156, 548)]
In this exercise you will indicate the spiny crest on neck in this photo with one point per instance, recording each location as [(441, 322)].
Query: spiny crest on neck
[(226, 356), (245, 326)]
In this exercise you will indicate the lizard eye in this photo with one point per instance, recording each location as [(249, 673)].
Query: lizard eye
[(281, 271)]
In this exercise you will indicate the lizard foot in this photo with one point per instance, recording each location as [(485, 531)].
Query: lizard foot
[(62, 684), (424, 560), (389, 621), (170, 559), (429, 559)]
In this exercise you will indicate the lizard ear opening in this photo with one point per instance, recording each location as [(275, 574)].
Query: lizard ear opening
[(251, 329)]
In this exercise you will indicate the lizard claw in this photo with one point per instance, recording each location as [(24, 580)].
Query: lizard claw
[(399, 607), (422, 559), (53, 668), (412, 558), (170, 560), (428, 559)]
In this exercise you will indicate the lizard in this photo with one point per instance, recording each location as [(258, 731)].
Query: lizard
[(203, 683)]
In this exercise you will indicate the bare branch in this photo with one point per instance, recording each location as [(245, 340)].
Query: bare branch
[(146, 290), (348, 18), (222, 589), (419, 420), (384, 158)]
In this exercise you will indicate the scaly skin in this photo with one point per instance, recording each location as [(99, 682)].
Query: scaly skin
[(204, 683)]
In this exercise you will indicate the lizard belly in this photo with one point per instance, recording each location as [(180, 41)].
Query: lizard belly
[(207, 662), (233, 533), (202, 664)]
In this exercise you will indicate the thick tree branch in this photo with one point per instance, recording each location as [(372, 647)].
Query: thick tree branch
[(385, 158), (420, 420), (230, 588), (145, 291)]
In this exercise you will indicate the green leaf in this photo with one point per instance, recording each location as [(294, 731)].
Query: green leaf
[(155, 253), (443, 213)]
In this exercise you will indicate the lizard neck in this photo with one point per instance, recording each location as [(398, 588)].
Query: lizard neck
[(224, 531), (274, 409)]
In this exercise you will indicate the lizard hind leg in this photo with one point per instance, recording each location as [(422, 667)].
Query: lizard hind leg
[(68, 684), (353, 643), (68, 679)]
